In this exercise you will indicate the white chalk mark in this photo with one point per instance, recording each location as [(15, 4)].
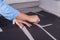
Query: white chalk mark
[(1, 30), (46, 32), (46, 25), (13, 22), (27, 33)]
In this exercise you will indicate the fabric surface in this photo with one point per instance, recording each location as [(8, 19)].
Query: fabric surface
[(12, 32)]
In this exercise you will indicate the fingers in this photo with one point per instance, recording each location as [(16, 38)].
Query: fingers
[(18, 25), (24, 22), (36, 18), (37, 21)]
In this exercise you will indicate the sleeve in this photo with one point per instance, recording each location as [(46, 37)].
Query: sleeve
[(7, 11)]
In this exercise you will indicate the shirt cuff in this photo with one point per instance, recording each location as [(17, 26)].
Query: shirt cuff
[(8, 12)]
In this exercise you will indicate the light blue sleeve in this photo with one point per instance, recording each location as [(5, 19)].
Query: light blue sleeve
[(7, 11)]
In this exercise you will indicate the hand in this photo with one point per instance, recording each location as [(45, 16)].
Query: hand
[(22, 18), (33, 18)]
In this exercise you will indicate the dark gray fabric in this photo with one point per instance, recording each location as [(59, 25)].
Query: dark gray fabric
[(12, 32)]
